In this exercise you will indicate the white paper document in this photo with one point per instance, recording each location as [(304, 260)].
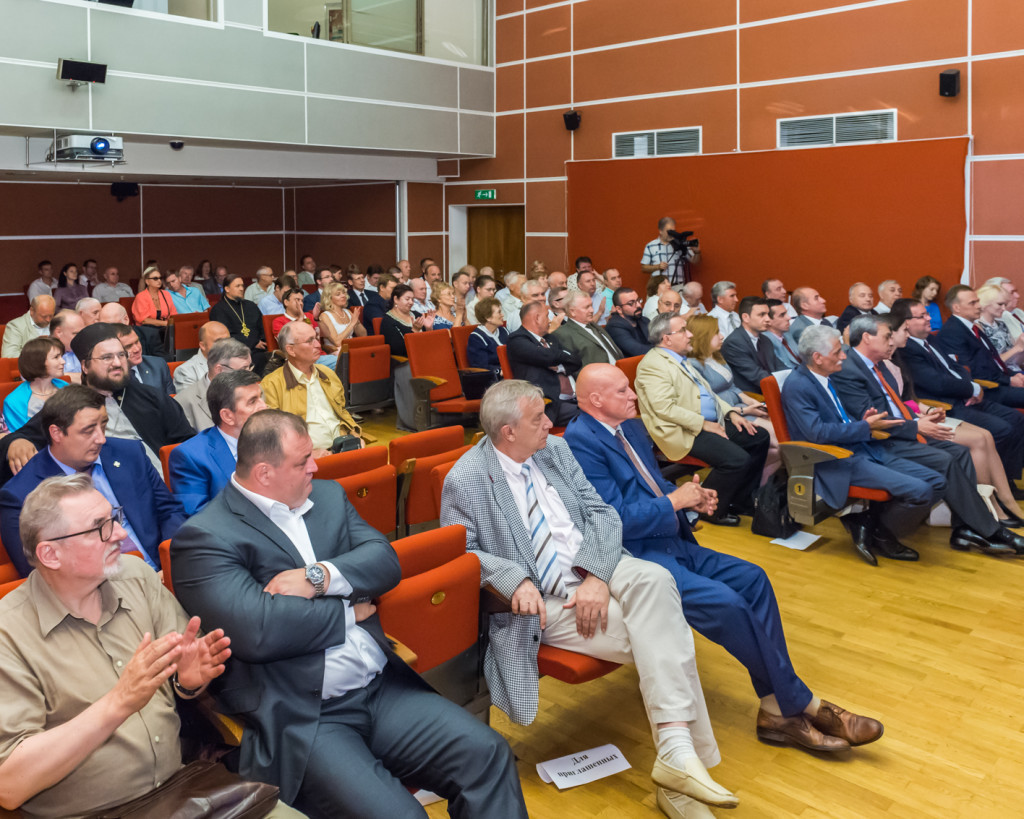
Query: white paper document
[(798, 540), (585, 766)]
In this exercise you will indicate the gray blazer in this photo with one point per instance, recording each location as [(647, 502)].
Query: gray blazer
[(477, 495), (724, 388), (577, 340), (193, 402)]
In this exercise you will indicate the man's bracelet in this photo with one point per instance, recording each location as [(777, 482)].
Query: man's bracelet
[(188, 693)]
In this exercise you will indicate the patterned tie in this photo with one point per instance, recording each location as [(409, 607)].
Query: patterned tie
[(596, 332), (544, 552), (896, 400), (637, 465), (992, 350), (839, 404), (790, 351)]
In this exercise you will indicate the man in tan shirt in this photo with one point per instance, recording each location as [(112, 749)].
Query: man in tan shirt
[(93, 652)]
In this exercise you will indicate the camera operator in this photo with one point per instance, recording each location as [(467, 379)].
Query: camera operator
[(671, 254)]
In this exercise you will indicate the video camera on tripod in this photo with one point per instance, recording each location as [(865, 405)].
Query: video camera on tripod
[(681, 241)]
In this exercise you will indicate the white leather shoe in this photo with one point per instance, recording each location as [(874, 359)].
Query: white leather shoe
[(694, 781)]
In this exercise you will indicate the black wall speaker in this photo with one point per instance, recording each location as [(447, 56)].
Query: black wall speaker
[(122, 190), (572, 120), (81, 71), (949, 82)]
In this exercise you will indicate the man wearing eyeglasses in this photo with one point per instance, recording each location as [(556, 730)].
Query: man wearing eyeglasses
[(76, 441), (627, 326), (151, 370), (226, 355)]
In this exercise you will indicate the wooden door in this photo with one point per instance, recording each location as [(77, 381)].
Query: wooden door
[(497, 237)]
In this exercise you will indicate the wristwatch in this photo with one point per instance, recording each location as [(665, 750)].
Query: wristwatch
[(318, 577)]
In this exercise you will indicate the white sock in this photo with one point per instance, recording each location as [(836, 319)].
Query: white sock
[(675, 745)]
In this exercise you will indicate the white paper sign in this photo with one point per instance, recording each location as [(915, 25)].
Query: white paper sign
[(798, 540), (585, 766)]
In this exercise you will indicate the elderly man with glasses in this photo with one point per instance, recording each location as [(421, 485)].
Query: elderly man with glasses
[(226, 355)]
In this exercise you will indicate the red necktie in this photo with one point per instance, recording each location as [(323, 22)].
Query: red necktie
[(896, 400)]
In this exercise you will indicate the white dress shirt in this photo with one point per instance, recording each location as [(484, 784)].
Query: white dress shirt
[(359, 659), (727, 322), (942, 358), (564, 534)]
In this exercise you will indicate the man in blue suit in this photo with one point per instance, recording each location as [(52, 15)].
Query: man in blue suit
[(201, 466), (726, 599), (814, 414), (74, 426)]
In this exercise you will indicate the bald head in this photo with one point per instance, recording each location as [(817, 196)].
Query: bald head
[(113, 313), (603, 393), (210, 333), (41, 309)]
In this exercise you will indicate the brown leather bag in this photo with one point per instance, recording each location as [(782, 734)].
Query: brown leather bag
[(200, 789)]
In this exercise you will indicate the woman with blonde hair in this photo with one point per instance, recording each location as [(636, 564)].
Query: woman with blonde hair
[(448, 314), (993, 300), (706, 356), (336, 321)]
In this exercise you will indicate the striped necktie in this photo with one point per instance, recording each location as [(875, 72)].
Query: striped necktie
[(544, 552)]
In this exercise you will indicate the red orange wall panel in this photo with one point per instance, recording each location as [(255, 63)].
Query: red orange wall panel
[(548, 249), (923, 114), (751, 10), (507, 6), (548, 144), (998, 26), (609, 22), (997, 198), (172, 209), (714, 112), (990, 259), (508, 88), (545, 207), (694, 62), (822, 217), (425, 207), (422, 246), (242, 254), (19, 257), (346, 250), (998, 98), (876, 36), (42, 210), (508, 39), (346, 208), (547, 83), (547, 32)]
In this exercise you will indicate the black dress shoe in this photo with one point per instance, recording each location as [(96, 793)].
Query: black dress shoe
[(1012, 519), (964, 539), (1004, 537), (888, 546), (858, 525), (727, 519)]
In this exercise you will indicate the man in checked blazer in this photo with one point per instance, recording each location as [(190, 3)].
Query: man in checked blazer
[(550, 545)]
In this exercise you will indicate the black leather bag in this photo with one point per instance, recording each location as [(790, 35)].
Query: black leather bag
[(200, 789), (771, 508)]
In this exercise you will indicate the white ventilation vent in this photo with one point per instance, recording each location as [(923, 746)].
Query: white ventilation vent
[(671, 142), (838, 129)]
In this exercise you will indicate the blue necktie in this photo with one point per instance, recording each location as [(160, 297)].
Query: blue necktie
[(839, 404), (544, 551)]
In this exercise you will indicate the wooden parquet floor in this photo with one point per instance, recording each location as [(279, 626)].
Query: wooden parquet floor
[(933, 649)]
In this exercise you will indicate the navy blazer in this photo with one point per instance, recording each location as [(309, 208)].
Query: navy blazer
[(849, 314), (812, 416), (648, 522), (373, 307), (155, 373), (482, 349), (747, 371), (532, 362), (149, 506), (860, 391), (630, 337), (310, 300), (931, 379), (956, 339), (199, 468)]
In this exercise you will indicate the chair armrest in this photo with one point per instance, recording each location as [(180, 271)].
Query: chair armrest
[(491, 602), (988, 385), (399, 359), (930, 403), (230, 729), (755, 395), (815, 453), (477, 437), (422, 387), (878, 435), (405, 654), (474, 370)]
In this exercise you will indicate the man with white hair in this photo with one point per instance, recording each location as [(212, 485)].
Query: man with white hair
[(89, 309), (510, 296), (723, 294), (692, 293), (33, 324), (421, 296), (226, 355), (262, 286), (195, 368), (861, 304), (888, 292), (531, 291), (582, 336), (552, 547)]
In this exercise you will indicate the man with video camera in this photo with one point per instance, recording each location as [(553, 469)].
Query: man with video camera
[(671, 254)]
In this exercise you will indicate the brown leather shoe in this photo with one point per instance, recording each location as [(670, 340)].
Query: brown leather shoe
[(837, 722), (796, 730)]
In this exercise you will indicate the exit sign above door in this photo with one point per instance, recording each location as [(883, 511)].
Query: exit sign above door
[(485, 193)]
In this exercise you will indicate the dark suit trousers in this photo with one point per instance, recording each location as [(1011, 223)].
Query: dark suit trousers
[(914, 489), (736, 464), (396, 731), (1008, 396), (732, 603), (953, 463), (1006, 426)]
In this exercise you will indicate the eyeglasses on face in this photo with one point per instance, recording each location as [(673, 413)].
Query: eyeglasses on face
[(105, 529), (109, 358)]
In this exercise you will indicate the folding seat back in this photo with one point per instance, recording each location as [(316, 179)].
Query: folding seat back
[(374, 494)]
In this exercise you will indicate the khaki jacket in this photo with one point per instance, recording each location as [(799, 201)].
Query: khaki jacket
[(283, 392)]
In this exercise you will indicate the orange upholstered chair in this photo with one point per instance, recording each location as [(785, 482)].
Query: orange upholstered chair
[(6, 388), (268, 333), (7, 570), (506, 365), (414, 456), (374, 494), (364, 367), (5, 589), (165, 565), (165, 462), (435, 377), (9, 369), (343, 464), (184, 331), (460, 344), (567, 666)]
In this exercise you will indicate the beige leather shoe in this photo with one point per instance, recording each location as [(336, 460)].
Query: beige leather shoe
[(676, 806), (694, 781)]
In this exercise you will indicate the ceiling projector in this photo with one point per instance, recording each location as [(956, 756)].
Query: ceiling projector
[(86, 148)]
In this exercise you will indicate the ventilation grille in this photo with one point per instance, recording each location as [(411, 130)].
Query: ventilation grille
[(838, 129), (656, 143)]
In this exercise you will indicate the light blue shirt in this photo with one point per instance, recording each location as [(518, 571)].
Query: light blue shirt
[(271, 306), (194, 300), (71, 362), (99, 480), (708, 405)]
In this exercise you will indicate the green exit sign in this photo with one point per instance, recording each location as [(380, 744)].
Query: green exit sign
[(485, 193)]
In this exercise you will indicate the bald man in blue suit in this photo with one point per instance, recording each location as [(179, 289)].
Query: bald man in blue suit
[(728, 600)]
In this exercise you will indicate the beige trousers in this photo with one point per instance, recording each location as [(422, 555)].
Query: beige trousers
[(646, 627)]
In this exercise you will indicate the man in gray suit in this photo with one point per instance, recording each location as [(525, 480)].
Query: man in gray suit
[(331, 715), (582, 335), (747, 350), (810, 304), (778, 327), (226, 355), (549, 544)]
